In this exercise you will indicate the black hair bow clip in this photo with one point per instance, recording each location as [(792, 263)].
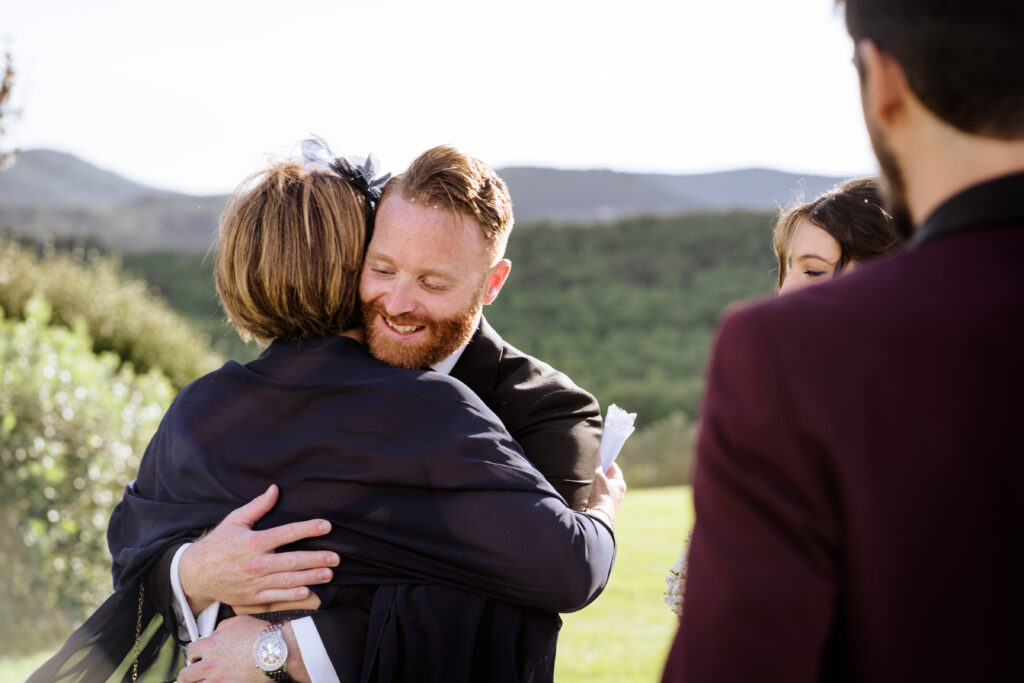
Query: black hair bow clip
[(318, 159)]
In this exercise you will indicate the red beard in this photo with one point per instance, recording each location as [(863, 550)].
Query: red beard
[(441, 338)]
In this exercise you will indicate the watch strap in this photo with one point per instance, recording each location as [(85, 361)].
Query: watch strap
[(280, 675)]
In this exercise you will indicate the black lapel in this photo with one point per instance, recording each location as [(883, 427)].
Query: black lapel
[(995, 203), (477, 367)]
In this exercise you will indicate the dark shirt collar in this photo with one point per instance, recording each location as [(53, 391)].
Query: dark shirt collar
[(993, 204), (331, 344)]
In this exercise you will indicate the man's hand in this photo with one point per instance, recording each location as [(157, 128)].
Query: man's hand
[(607, 492), (227, 654), (238, 566)]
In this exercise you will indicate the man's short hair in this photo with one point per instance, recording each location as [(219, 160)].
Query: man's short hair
[(962, 58), (444, 175), (289, 254)]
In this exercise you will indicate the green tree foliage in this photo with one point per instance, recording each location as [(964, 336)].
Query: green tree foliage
[(628, 309), (73, 426), (121, 316), (185, 280)]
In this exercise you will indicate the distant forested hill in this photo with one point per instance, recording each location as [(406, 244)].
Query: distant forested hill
[(617, 279), (627, 309)]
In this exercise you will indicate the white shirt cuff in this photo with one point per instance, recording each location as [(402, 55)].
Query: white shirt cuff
[(314, 654), (191, 627)]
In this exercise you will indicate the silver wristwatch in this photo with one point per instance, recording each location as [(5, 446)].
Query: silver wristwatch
[(271, 652)]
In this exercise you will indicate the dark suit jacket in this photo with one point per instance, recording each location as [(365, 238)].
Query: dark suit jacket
[(859, 485), (557, 424)]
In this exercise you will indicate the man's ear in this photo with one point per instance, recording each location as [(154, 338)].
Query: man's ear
[(884, 87), (496, 279)]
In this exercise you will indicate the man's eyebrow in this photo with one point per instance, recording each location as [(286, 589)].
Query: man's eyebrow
[(429, 272), (376, 255)]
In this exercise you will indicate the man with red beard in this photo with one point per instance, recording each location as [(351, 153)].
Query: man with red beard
[(436, 257), (859, 487)]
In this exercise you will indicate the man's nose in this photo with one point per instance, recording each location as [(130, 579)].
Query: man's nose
[(399, 299)]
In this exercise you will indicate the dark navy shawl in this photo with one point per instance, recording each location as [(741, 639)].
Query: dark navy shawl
[(420, 480)]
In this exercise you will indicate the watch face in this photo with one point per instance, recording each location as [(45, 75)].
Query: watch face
[(270, 651)]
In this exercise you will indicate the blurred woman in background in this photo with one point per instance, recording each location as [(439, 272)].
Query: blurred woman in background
[(817, 240), (814, 242)]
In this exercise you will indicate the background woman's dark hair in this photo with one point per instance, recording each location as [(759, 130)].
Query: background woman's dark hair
[(962, 58), (853, 214)]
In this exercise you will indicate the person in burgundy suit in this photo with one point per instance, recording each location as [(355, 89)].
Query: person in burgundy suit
[(859, 486)]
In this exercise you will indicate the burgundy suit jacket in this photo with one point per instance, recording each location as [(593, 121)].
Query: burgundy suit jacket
[(859, 484)]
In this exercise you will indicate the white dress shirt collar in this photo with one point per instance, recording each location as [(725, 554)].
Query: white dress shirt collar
[(445, 366)]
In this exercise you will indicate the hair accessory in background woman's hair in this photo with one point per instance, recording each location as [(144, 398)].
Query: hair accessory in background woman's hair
[(318, 159)]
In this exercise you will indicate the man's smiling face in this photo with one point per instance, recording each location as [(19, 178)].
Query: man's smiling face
[(427, 273)]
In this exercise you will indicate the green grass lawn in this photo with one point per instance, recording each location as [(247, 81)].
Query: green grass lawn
[(624, 635)]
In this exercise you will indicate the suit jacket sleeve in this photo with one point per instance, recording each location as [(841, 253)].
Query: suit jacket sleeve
[(557, 424), (559, 432), (762, 575)]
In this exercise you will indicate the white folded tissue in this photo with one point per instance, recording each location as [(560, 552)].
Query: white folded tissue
[(618, 425)]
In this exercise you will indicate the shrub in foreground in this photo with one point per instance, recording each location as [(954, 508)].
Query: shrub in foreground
[(119, 314), (73, 426)]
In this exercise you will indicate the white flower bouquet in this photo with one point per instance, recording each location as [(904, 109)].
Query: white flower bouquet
[(675, 580)]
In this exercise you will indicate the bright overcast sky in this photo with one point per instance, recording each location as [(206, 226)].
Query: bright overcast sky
[(192, 95)]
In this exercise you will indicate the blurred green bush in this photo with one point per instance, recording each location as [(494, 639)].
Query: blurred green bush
[(119, 314), (73, 426)]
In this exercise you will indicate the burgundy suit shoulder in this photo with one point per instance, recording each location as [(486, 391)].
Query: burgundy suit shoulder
[(859, 488)]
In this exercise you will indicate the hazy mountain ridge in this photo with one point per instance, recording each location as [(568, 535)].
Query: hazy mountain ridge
[(48, 176), (581, 196), (53, 194)]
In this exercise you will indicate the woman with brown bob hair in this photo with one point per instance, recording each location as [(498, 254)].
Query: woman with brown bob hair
[(430, 501), (289, 254), (817, 240)]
